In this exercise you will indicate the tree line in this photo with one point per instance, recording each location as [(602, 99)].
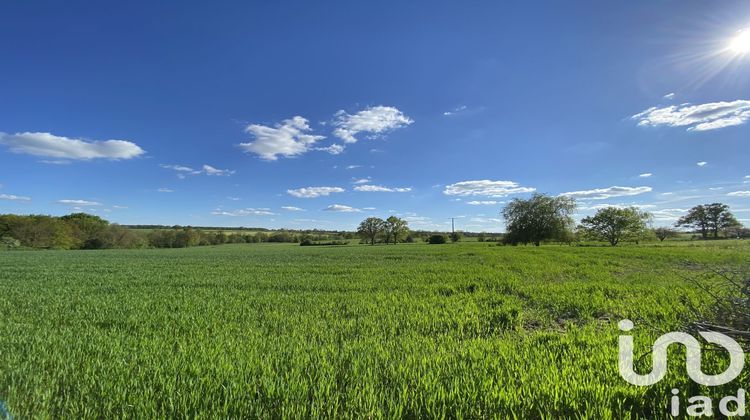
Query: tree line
[(547, 218), (85, 231)]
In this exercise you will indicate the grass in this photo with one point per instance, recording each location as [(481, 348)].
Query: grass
[(468, 330)]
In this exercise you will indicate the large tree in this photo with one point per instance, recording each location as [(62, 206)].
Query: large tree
[(709, 219), (370, 228), (538, 218), (395, 228), (615, 224)]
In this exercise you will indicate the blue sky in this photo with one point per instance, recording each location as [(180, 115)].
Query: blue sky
[(318, 114)]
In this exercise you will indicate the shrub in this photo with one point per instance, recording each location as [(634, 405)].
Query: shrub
[(437, 239)]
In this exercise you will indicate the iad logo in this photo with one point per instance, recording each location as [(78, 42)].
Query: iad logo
[(701, 405), (693, 350)]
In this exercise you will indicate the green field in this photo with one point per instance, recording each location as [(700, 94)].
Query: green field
[(468, 330)]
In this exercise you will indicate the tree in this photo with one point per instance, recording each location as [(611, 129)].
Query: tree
[(709, 218), (394, 228), (88, 230), (663, 233), (614, 224), (370, 228), (455, 237), (539, 218)]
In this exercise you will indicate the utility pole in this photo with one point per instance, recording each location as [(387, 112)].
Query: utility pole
[(453, 226)]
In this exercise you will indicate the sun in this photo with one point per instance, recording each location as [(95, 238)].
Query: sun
[(740, 44)]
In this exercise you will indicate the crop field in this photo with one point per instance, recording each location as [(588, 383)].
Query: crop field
[(467, 330)]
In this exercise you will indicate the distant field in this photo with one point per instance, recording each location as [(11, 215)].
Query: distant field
[(459, 330)]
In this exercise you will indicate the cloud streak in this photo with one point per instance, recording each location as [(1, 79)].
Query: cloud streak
[(342, 208), (604, 193), (485, 187), (702, 117), (314, 192), (380, 188), (11, 197), (50, 145)]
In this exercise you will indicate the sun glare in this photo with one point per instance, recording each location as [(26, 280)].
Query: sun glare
[(740, 44)]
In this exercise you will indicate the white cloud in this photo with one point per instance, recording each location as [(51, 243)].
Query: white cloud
[(702, 164), (369, 208), (374, 120), (243, 212), (362, 180), (79, 203), (342, 208), (313, 192), (292, 208), (702, 117), (49, 145), (12, 197), (668, 96), (380, 188), (183, 170), (739, 194), (233, 198), (483, 203), (211, 171), (180, 168), (164, 190), (55, 161), (668, 215), (486, 187), (455, 111), (604, 193), (334, 149), (353, 166), (646, 175), (289, 138)]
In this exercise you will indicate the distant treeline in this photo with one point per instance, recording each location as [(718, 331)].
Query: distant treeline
[(85, 231)]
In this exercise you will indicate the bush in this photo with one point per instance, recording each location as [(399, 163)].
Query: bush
[(455, 237), (437, 239)]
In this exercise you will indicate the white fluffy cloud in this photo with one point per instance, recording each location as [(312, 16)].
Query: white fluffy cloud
[(50, 145), (739, 194), (79, 203), (702, 164), (12, 197), (342, 208), (368, 179), (292, 208), (483, 203), (372, 121), (289, 138), (486, 188), (243, 212), (313, 192), (646, 175), (604, 193), (380, 188), (702, 117)]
